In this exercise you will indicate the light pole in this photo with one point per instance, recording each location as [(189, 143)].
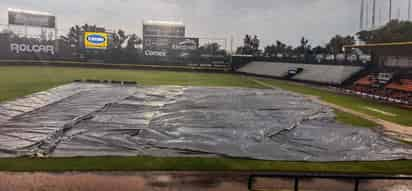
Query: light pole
[(361, 14), (373, 14), (390, 10), (409, 10)]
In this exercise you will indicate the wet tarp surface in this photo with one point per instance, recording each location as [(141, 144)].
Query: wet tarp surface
[(82, 119)]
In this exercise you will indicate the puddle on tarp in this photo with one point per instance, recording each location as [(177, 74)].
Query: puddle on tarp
[(82, 119)]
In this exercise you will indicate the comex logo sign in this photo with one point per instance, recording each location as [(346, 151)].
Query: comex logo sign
[(95, 40), (35, 48), (154, 53)]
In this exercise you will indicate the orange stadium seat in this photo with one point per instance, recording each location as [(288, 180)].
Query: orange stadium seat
[(366, 81), (404, 85)]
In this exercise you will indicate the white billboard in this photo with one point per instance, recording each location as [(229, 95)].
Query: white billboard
[(164, 43), (162, 46), (163, 29), (31, 18)]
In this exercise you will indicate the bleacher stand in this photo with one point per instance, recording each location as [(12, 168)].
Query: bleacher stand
[(325, 74)]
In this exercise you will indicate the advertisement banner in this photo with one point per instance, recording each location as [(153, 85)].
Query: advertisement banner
[(96, 40), (163, 28), (30, 18), (21, 48), (163, 46), (11, 47)]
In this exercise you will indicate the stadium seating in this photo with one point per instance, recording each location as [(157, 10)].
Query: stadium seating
[(327, 74), (404, 85), (366, 81), (398, 90)]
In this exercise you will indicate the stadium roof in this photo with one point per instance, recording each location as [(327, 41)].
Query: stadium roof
[(386, 49), (409, 43), (163, 23), (29, 12)]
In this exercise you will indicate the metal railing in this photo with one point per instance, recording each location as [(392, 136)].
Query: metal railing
[(355, 180)]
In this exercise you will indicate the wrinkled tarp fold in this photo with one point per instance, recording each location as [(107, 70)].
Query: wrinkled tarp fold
[(82, 119)]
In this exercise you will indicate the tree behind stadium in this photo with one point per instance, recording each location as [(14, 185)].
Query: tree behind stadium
[(394, 31)]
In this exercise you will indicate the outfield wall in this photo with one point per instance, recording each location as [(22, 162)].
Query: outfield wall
[(20, 48)]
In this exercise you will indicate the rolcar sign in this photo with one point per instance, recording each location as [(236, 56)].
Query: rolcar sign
[(32, 48)]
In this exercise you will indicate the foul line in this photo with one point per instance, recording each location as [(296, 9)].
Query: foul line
[(380, 111)]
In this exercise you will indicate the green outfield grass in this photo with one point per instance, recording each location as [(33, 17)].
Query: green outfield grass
[(24, 80), (349, 119), (199, 164)]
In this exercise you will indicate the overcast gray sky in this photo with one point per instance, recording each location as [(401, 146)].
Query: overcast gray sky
[(271, 20)]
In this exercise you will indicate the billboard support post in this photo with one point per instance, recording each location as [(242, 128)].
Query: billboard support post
[(25, 31), (56, 35)]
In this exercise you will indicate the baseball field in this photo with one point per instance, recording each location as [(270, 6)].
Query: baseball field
[(18, 81)]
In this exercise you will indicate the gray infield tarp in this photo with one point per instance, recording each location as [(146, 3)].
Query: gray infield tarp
[(82, 119)]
